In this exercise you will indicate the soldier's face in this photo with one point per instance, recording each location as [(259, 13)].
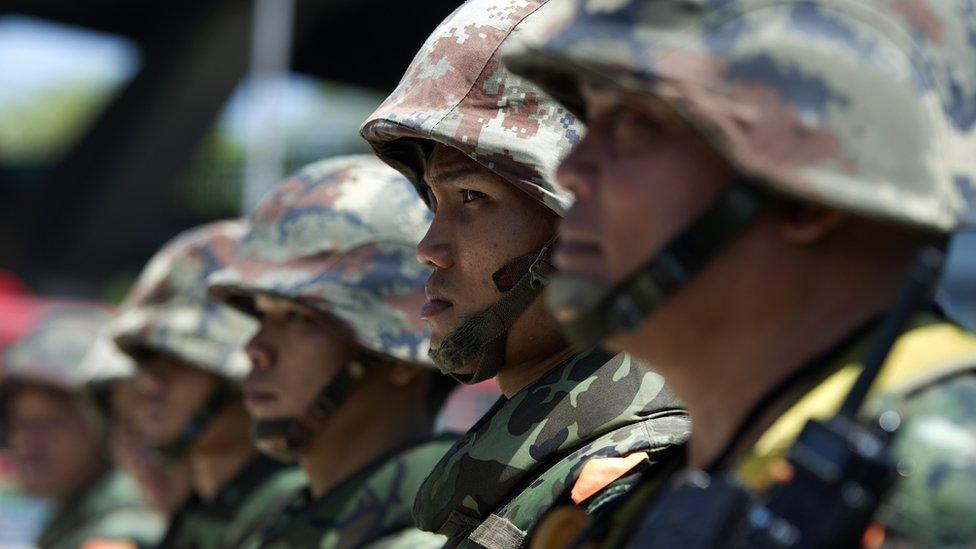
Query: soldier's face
[(52, 445), (294, 355), (171, 393), (640, 176), (481, 222)]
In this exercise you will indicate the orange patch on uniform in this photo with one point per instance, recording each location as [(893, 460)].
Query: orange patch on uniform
[(108, 544), (598, 473)]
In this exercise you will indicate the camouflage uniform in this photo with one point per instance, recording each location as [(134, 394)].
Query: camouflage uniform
[(109, 508), (339, 237), (168, 312), (591, 410), (799, 96)]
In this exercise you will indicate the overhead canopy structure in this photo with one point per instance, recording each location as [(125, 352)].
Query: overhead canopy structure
[(94, 210)]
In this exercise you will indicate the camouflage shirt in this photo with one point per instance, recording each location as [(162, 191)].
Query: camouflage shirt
[(527, 452), (930, 379), (370, 509), (239, 509), (108, 511)]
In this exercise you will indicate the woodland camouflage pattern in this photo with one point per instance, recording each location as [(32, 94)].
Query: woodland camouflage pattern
[(526, 452), (935, 505), (370, 509), (51, 353), (340, 237), (111, 512), (168, 310), (456, 92), (798, 94)]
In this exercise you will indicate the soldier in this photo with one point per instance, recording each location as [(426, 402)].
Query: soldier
[(57, 442), (339, 375), (757, 181), (480, 145), (189, 358), (109, 376)]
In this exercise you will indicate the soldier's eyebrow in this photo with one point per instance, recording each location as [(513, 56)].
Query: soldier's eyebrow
[(450, 174)]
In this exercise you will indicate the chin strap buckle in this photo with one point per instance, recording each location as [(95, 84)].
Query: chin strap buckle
[(542, 269)]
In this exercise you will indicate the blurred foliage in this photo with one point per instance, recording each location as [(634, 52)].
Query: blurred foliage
[(38, 128)]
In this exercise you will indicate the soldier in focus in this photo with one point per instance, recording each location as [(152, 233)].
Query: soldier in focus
[(480, 146), (58, 443), (757, 182), (109, 376), (339, 375), (190, 363)]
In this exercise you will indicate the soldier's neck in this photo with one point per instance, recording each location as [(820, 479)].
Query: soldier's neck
[(222, 451), (513, 379), (360, 433), (724, 385), (211, 471)]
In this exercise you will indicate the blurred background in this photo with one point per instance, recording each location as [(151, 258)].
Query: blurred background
[(123, 122)]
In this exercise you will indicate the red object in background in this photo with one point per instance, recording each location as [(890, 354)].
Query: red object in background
[(467, 404)]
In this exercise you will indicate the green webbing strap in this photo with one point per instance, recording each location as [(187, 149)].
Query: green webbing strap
[(626, 305), (284, 438), (214, 404), (483, 336), (335, 393)]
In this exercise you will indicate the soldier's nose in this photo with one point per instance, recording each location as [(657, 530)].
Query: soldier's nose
[(261, 354)]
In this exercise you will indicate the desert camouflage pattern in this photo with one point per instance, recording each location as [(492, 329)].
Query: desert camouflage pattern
[(105, 363), (526, 453), (456, 92), (168, 310), (340, 236), (52, 352), (797, 94), (370, 509)]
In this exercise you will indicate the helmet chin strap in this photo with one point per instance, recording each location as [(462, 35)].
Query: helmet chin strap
[(590, 311), (219, 398), (287, 438), (483, 336)]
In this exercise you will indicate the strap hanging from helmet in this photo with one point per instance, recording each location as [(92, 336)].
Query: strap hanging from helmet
[(624, 306), (285, 438), (483, 336), (219, 398)]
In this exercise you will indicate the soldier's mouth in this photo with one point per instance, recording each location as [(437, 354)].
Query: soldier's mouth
[(577, 255), (434, 307), (258, 398)]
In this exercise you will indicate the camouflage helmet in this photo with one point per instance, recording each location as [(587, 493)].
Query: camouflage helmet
[(340, 237), (51, 353), (457, 93), (105, 363), (167, 311), (864, 106)]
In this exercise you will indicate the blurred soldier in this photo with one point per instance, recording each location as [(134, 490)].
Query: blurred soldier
[(109, 375), (339, 375), (58, 443), (480, 146), (757, 181), (190, 362)]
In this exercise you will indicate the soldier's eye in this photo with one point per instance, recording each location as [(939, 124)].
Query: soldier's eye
[(626, 118), (299, 317), (470, 195)]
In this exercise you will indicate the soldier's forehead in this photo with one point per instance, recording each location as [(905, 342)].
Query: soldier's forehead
[(449, 167)]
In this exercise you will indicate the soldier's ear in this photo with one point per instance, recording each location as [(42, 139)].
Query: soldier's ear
[(402, 374), (804, 224)]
